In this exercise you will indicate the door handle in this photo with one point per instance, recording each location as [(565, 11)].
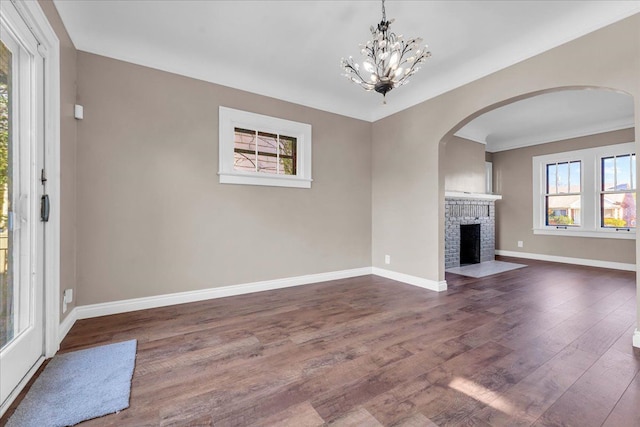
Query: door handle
[(44, 208)]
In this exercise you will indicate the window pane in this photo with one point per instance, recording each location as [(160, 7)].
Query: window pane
[(9, 291), (574, 177), (267, 143), (623, 172), (287, 145), (618, 210), (551, 179), (563, 177), (267, 164), (563, 210), (287, 155), (633, 171), (286, 167), (245, 139), (245, 162), (608, 176)]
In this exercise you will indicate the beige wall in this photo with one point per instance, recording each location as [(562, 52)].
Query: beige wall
[(408, 172), (67, 153), (512, 171), (464, 166), (152, 217)]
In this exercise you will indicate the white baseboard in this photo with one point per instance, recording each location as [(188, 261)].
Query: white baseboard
[(67, 324), (432, 285), (123, 306), (569, 260), (636, 339)]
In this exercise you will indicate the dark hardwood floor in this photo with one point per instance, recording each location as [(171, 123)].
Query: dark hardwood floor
[(547, 345)]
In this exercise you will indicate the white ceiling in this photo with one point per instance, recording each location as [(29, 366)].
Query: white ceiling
[(551, 117), (291, 49)]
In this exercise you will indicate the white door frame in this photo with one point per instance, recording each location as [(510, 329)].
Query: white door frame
[(48, 132), (49, 48)]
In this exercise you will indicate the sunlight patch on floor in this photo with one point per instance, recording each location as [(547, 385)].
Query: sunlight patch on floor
[(482, 394)]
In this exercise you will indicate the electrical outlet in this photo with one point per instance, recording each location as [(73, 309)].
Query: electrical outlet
[(387, 259), (520, 244)]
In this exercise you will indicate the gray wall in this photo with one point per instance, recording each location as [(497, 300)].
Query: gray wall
[(152, 217), (464, 166), (512, 171), (68, 74)]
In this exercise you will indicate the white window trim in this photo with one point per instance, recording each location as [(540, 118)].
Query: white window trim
[(590, 180), (231, 119)]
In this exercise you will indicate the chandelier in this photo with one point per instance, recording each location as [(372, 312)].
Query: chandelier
[(389, 60)]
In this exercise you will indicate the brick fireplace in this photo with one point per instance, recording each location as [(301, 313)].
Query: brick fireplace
[(463, 209)]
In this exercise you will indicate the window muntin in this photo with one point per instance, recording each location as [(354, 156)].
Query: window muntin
[(563, 200), (618, 191), (264, 152)]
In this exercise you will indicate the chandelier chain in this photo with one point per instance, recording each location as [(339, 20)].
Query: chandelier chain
[(384, 13)]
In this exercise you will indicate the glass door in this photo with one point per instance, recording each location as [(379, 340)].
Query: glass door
[(21, 156)]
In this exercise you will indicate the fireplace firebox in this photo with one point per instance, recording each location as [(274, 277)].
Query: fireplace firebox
[(469, 244)]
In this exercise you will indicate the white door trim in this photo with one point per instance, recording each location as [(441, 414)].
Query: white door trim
[(50, 50)]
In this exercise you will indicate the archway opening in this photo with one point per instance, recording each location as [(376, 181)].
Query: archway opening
[(493, 152)]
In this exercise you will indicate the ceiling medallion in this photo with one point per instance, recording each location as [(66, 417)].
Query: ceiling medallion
[(389, 60)]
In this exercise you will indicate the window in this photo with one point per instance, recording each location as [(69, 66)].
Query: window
[(256, 151), (563, 197), (618, 191), (588, 193), (262, 150)]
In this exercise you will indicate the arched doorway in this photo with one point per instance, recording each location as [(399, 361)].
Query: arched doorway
[(603, 209)]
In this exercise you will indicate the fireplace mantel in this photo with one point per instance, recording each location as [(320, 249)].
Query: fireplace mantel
[(476, 196)]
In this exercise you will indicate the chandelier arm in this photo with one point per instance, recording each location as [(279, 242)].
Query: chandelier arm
[(351, 69), (410, 70)]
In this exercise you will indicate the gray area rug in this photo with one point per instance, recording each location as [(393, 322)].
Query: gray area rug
[(484, 269), (78, 386)]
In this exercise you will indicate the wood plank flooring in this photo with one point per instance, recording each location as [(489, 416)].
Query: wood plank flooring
[(546, 345)]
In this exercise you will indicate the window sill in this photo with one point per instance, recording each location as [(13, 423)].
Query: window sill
[(267, 180), (629, 235)]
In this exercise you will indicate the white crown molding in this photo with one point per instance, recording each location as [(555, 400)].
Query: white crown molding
[(495, 147), (569, 260), (422, 88), (468, 134), (489, 65)]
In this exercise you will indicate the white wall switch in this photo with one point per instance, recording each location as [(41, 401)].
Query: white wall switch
[(387, 259), (520, 244), (78, 112)]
